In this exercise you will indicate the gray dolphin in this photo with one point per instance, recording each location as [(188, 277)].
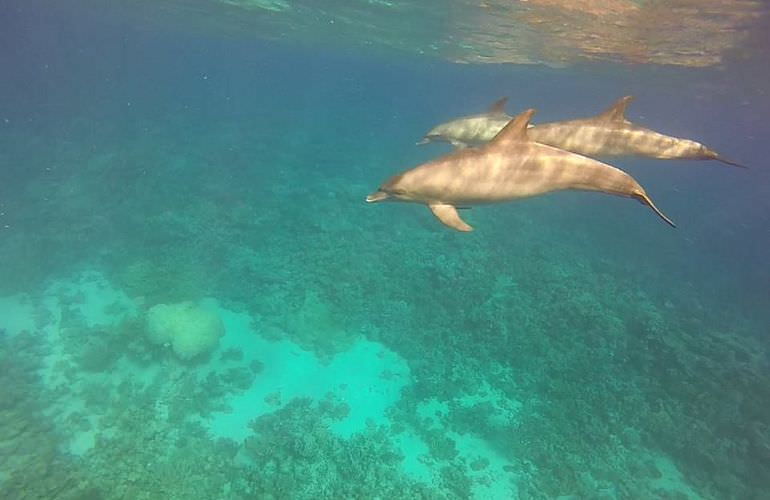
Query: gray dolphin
[(471, 130), (608, 134), (509, 167)]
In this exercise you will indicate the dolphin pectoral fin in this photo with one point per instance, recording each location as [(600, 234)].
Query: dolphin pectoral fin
[(458, 144), (645, 200), (448, 216), (617, 112)]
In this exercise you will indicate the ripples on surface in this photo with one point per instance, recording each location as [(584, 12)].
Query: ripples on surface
[(694, 33)]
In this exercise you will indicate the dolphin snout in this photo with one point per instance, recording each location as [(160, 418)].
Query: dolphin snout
[(424, 140), (377, 196)]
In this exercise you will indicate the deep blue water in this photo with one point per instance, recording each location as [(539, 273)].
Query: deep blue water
[(184, 165)]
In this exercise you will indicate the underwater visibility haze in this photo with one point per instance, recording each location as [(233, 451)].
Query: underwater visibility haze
[(197, 301)]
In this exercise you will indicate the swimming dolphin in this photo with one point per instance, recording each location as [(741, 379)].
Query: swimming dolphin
[(608, 134), (472, 130), (509, 167)]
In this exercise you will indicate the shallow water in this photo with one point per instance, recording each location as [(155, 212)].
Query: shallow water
[(572, 346)]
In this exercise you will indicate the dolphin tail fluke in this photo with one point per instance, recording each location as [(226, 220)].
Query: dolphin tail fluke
[(728, 162), (710, 154), (643, 198)]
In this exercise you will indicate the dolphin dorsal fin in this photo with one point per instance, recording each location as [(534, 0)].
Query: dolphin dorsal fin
[(514, 131), (617, 112), (498, 107)]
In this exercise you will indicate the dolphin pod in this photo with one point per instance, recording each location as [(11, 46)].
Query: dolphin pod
[(607, 134), (511, 166)]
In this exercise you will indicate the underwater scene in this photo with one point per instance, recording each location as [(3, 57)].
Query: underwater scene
[(385, 249)]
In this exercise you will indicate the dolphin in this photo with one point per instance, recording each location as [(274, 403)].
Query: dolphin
[(471, 130), (608, 134), (509, 167)]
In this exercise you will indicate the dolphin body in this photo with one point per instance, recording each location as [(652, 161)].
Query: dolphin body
[(472, 130), (509, 167), (608, 134)]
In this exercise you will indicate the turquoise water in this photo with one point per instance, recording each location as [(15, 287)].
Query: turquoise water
[(197, 303)]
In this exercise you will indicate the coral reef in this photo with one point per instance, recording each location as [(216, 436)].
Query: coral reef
[(297, 456), (32, 464), (190, 330), (316, 326)]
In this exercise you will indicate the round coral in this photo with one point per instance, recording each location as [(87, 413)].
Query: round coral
[(189, 329)]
